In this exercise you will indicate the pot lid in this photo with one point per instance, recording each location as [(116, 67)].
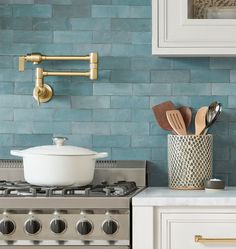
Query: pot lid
[(59, 149)]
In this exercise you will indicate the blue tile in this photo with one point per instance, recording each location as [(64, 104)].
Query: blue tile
[(72, 115), (32, 36), (191, 63), (198, 101), (33, 114), (142, 115), (93, 128), (17, 23), (133, 102), (147, 63), (6, 61), (222, 128), (192, 89), (88, 102), (110, 11), (111, 141), (159, 154), (130, 50), (51, 127), (5, 10), (51, 24), (6, 140), (209, 76), (81, 140), (152, 89), (13, 75), (221, 154), (155, 129), (131, 24), (121, 37), (148, 141), (233, 76), (170, 76), (129, 128), (91, 24), (177, 100), (223, 63), (112, 89), (112, 115), (140, 11), (6, 36), (32, 140), (110, 62), (224, 89), (142, 38), (18, 101), (131, 154), (32, 10), (130, 76), (63, 2), (131, 2), (82, 10), (8, 49), (72, 36), (6, 114), (6, 88)]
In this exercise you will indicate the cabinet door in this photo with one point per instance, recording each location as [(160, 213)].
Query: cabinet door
[(181, 231), (176, 32)]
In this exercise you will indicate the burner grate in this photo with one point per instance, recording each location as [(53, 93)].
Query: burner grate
[(21, 189)]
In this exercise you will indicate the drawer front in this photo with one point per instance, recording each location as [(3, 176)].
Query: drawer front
[(197, 231)]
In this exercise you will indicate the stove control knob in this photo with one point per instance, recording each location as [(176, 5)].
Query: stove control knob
[(32, 226), (7, 227), (110, 226), (84, 227), (58, 226)]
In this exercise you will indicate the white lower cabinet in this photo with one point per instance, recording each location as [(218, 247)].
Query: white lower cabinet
[(184, 228)]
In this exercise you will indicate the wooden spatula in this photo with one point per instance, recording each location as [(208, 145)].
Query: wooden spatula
[(160, 114), (186, 114), (200, 120), (176, 121)]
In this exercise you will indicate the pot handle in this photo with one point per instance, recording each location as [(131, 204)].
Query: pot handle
[(101, 155), (16, 153)]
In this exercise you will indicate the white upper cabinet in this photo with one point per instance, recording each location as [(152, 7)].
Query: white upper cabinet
[(194, 27)]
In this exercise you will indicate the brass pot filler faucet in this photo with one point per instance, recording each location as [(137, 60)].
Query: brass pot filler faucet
[(43, 92)]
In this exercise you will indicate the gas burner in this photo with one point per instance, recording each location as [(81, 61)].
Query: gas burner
[(21, 188)]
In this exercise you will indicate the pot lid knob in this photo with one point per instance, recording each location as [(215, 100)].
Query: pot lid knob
[(59, 141)]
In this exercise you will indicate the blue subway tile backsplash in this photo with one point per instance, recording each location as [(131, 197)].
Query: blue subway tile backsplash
[(114, 113)]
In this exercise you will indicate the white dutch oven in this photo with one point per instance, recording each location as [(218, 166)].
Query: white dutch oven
[(58, 165)]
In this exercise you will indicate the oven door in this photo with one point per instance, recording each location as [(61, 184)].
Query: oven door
[(65, 247)]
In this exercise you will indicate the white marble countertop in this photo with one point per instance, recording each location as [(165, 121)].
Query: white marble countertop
[(161, 196)]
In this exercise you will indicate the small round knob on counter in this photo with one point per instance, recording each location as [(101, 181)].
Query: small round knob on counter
[(110, 227), (84, 227), (32, 226), (58, 226), (7, 227)]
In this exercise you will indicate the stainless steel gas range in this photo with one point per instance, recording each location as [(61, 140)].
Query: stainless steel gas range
[(92, 217)]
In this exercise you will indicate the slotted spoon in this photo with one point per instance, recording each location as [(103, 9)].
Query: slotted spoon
[(176, 121)]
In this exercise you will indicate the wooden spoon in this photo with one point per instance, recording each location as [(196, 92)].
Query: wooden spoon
[(160, 114), (200, 120), (176, 121), (186, 114)]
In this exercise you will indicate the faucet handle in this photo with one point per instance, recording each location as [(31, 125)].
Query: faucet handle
[(21, 63)]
